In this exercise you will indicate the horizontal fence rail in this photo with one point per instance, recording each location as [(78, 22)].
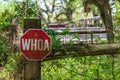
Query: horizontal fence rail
[(89, 36)]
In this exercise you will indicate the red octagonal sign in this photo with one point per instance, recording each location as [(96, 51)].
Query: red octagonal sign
[(35, 44)]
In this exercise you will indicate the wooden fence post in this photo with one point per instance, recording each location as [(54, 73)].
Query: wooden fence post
[(32, 69)]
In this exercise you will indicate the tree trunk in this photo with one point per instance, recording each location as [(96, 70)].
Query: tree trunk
[(119, 1), (69, 13), (105, 12), (25, 6), (95, 13)]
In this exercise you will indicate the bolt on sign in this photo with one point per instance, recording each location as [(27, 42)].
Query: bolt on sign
[(35, 44)]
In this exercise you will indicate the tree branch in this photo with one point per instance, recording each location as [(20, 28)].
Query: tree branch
[(46, 6), (53, 6), (77, 50)]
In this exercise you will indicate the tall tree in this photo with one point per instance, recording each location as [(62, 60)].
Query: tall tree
[(47, 9), (105, 12), (70, 6)]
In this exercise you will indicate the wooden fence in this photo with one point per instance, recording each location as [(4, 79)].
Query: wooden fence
[(89, 36)]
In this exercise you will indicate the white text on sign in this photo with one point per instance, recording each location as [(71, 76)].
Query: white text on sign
[(35, 44)]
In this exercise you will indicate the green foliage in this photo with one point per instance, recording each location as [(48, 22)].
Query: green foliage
[(6, 18), (100, 41), (117, 23), (18, 8), (72, 4), (4, 48), (8, 61), (55, 40), (32, 8), (117, 16), (81, 68), (117, 19), (6, 14), (12, 62), (11, 67)]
